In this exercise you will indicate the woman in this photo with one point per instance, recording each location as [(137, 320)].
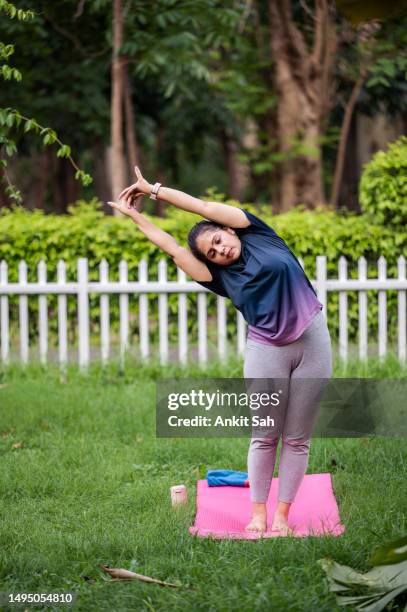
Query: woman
[(237, 255)]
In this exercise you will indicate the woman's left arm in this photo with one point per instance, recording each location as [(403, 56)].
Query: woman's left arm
[(214, 211)]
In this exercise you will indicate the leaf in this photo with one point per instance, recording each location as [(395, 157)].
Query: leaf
[(10, 148), (64, 151), (393, 552), (381, 584), (377, 602), (28, 125), (122, 574), (10, 119)]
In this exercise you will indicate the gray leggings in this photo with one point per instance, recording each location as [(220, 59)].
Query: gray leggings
[(309, 357)]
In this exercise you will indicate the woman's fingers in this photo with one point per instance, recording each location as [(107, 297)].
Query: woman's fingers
[(130, 193), (125, 208), (133, 196), (124, 192), (138, 173), (135, 203)]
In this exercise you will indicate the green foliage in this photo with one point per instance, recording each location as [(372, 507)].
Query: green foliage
[(383, 186), (87, 232), (10, 118), (385, 88), (199, 71), (13, 12)]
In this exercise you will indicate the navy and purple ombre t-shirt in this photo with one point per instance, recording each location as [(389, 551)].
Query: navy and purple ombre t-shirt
[(267, 284)]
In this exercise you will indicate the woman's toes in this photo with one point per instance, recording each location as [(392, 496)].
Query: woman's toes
[(256, 525), (283, 530)]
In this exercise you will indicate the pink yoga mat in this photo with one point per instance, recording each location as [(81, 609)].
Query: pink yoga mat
[(223, 512)]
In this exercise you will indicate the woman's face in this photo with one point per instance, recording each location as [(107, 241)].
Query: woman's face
[(222, 246)]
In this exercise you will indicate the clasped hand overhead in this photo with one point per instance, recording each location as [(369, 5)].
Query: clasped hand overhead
[(129, 198)]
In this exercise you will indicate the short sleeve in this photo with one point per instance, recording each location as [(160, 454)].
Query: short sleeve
[(216, 284), (257, 223)]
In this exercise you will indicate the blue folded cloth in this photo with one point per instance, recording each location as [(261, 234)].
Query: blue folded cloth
[(224, 478)]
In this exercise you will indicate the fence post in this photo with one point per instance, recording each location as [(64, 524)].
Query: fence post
[(343, 310), (62, 316), (321, 282), (104, 313), (382, 302), (163, 313), (43, 313), (23, 313), (124, 312), (182, 321), (143, 311), (362, 301), (222, 326), (202, 331), (83, 313), (401, 307), (4, 316)]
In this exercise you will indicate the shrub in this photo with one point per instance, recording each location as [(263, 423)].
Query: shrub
[(87, 232), (383, 187)]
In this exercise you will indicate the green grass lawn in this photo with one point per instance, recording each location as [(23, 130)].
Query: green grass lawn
[(84, 482)]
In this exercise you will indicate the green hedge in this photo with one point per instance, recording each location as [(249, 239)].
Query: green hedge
[(87, 232), (383, 187)]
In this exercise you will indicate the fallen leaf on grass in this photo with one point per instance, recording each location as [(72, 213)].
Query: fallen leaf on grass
[(370, 591), (3, 386), (17, 445), (122, 574)]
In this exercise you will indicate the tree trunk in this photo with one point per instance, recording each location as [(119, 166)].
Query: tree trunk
[(71, 186), (160, 176), (101, 156), (41, 188), (237, 171), (303, 81), (257, 184), (130, 130), (348, 192), (118, 164), (340, 156)]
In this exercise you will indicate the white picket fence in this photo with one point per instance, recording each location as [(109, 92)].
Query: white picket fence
[(143, 286)]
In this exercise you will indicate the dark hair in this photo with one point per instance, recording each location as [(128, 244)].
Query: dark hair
[(197, 230)]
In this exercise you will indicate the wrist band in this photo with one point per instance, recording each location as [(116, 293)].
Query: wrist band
[(154, 191)]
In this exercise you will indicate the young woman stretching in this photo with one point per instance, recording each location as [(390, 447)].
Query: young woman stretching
[(237, 255)]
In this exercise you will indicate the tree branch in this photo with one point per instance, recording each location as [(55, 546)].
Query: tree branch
[(340, 157), (294, 35), (74, 40), (327, 82), (79, 9), (130, 128), (320, 37)]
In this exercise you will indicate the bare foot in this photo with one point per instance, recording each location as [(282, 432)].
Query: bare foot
[(258, 524), (280, 524)]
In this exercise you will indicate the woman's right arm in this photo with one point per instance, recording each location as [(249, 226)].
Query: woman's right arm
[(182, 257), (223, 214)]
